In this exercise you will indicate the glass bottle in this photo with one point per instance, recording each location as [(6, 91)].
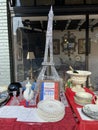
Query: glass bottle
[(14, 100)]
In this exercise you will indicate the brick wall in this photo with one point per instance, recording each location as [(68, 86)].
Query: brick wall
[(4, 46)]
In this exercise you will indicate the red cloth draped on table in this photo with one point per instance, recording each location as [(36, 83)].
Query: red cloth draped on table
[(67, 123), (81, 124)]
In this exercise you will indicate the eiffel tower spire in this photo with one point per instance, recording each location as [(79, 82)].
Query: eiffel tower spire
[(48, 71), (49, 43)]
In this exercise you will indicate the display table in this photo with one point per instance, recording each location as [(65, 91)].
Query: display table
[(81, 123), (67, 123)]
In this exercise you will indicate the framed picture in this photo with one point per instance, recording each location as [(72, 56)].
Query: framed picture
[(56, 46), (20, 69), (19, 54), (19, 37), (81, 46), (20, 72)]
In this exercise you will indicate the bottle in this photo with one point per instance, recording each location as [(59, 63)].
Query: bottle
[(63, 98), (33, 101), (14, 100)]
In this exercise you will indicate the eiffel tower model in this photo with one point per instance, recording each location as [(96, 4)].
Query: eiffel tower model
[(48, 71)]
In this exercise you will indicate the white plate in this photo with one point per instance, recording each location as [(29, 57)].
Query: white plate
[(3, 96), (91, 110)]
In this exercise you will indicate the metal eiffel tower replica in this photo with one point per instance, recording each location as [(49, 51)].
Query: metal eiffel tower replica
[(48, 71)]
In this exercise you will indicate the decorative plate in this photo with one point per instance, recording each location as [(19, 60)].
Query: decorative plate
[(91, 110), (78, 58), (3, 97)]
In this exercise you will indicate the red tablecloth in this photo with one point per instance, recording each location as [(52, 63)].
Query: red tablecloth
[(67, 123), (81, 124)]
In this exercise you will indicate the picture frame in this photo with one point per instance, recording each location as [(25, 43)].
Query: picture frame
[(20, 69), (19, 37), (19, 54), (20, 72), (56, 46), (81, 46)]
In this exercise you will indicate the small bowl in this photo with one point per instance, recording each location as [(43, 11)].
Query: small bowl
[(83, 98), (84, 95)]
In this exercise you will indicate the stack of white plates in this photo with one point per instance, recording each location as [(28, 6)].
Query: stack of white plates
[(83, 98), (51, 110)]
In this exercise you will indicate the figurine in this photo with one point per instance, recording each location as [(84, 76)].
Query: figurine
[(28, 93)]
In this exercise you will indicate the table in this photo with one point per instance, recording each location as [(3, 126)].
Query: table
[(67, 123), (81, 124)]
